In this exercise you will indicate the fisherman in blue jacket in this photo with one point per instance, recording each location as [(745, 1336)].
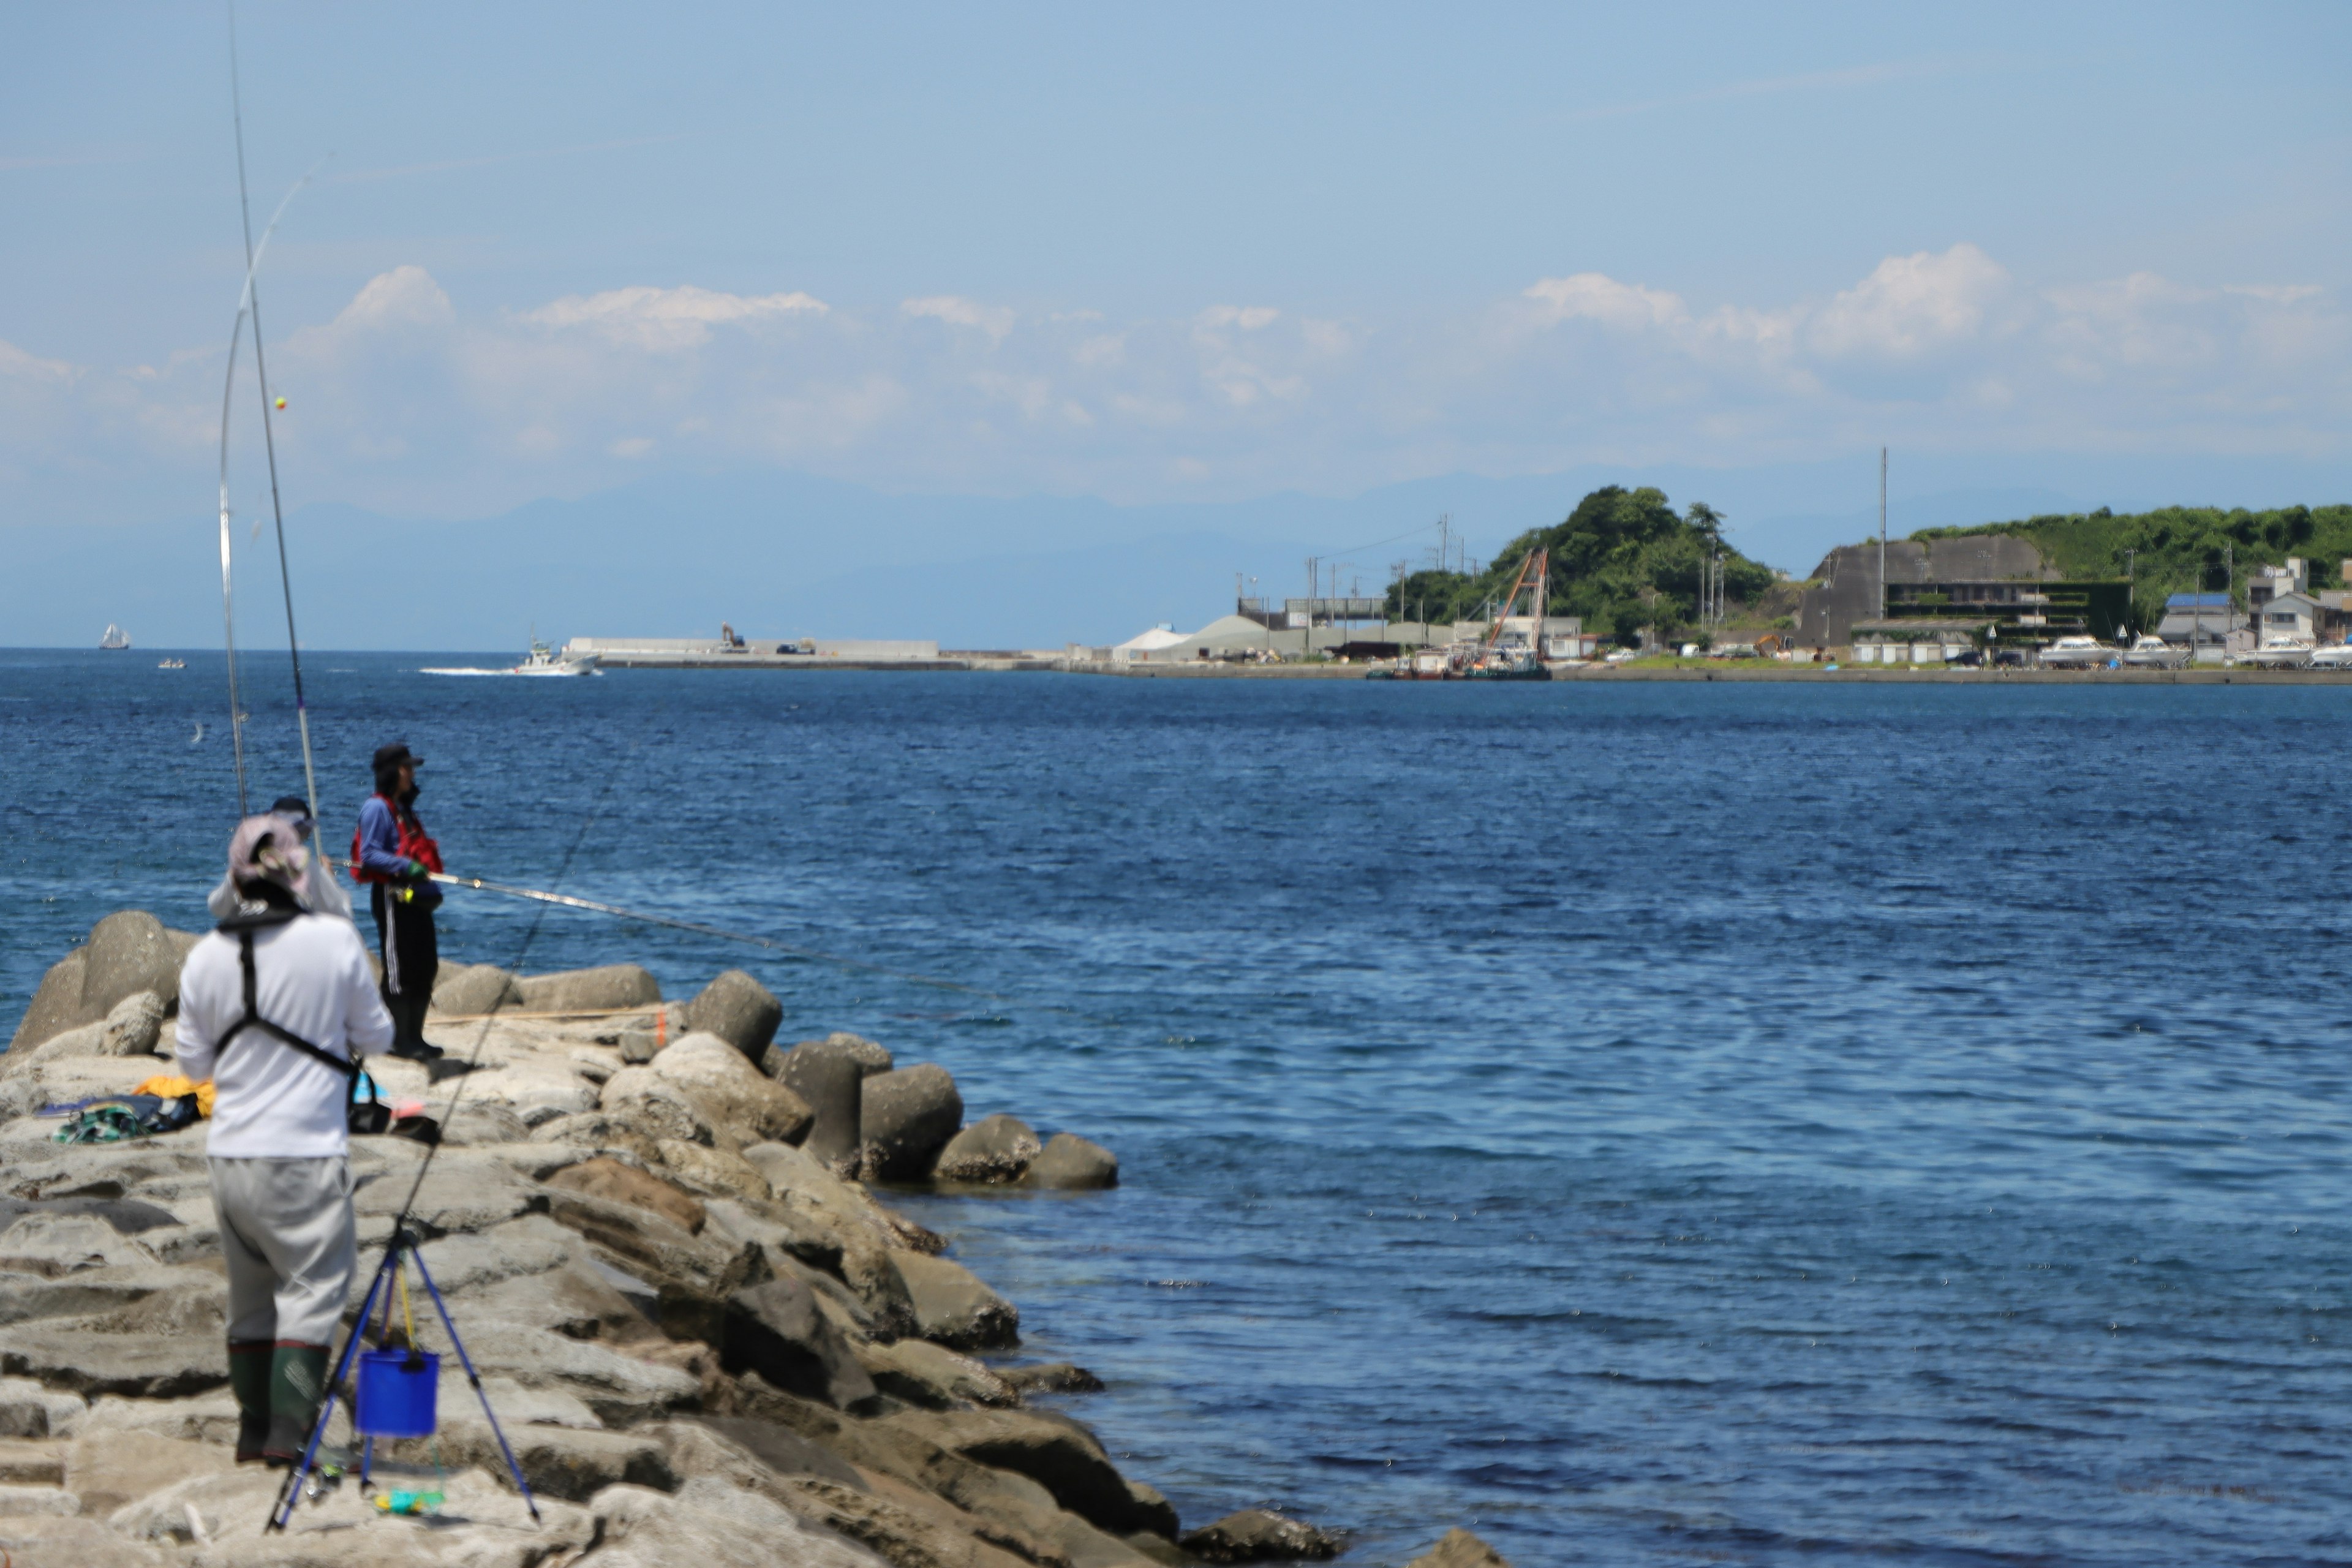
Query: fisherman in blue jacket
[(392, 853)]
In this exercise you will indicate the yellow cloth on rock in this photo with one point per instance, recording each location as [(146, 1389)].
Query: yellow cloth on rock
[(171, 1086)]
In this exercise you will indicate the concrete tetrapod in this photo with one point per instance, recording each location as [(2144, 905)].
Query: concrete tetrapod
[(738, 1009), (1254, 1535), (905, 1119), (995, 1149), (830, 1081)]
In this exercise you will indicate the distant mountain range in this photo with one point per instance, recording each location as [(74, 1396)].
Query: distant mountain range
[(788, 554)]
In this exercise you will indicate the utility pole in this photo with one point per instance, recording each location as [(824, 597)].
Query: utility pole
[(1882, 533), (2229, 589)]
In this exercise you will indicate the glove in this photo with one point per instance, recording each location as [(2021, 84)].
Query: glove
[(416, 871)]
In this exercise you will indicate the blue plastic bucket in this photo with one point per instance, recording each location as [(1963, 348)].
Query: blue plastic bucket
[(398, 1393)]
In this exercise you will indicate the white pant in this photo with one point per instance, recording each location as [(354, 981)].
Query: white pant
[(291, 1244)]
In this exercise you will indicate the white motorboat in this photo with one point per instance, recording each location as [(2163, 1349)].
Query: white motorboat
[(2335, 655), (2077, 653), (170, 664), (544, 660), (2280, 653), (116, 639), (2148, 652), (541, 660)]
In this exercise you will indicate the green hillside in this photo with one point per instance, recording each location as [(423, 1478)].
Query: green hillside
[(1622, 560), (2181, 549)]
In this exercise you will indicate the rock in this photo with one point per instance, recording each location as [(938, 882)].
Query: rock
[(712, 1173), (596, 1129), (16, 1501), (659, 1107), (1058, 1454), (754, 1108), (470, 990), (1254, 1535), (28, 1410), (609, 1179), (829, 1082), (609, 989), (738, 1010), (637, 1046), (1071, 1162), (28, 1463), (87, 1358), (133, 1027), (1052, 1377), (558, 1461), (57, 1004), (776, 1330), (481, 1525), (905, 1119), (1459, 1548), (711, 1524), (921, 1372), (50, 1244), (679, 1281), (780, 1448), (481, 1121), (35, 1540), (952, 1307), (996, 1149), (109, 1471), (129, 952), (621, 1389)]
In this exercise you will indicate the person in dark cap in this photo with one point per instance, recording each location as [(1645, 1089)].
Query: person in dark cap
[(393, 855)]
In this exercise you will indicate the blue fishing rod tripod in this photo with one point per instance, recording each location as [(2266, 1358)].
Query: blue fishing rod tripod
[(404, 1241)]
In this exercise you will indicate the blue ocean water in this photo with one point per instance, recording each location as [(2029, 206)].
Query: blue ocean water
[(1646, 1123)]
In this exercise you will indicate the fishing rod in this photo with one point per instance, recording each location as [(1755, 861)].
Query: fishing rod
[(228, 611), (269, 431)]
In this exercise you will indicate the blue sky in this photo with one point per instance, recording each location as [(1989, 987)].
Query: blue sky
[(1199, 254)]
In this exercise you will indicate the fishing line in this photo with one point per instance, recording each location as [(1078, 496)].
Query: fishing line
[(817, 955)]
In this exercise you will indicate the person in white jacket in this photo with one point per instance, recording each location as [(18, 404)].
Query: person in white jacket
[(276, 1007)]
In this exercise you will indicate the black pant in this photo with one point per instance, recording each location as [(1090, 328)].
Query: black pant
[(412, 958)]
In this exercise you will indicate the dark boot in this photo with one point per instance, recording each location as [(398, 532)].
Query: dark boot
[(248, 1377), (408, 1028), (297, 1386)]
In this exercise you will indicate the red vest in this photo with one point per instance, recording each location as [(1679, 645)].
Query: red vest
[(412, 844)]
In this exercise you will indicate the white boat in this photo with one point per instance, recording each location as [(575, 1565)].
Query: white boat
[(2148, 652), (544, 660), (541, 660), (170, 664), (2076, 653), (2280, 653), (2335, 655), (116, 639)]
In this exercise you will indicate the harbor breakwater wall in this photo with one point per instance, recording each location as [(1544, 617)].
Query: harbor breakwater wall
[(663, 1237)]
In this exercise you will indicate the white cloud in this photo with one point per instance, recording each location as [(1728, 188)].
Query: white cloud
[(1912, 305), (1595, 297), (1249, 318), (409, 398), (996, 320), (667, 321)]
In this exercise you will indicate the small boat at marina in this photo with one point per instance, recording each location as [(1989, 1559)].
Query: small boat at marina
[(2335, 655), (541, 661), (2148, 652), (2077, 653), (2280, 653), (116, 639)]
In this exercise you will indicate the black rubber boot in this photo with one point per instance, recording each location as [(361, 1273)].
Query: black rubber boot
[(408, 1028), (248, 1378), (297, 1386)]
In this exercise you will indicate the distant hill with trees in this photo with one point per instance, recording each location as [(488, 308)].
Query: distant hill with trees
[(2180, 549), (1622, 560)]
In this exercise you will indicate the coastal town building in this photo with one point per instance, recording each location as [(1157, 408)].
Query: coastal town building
[(1998, 577), (1918, 641)]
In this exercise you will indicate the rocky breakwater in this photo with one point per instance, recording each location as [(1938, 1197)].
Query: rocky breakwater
[(707, 1339)]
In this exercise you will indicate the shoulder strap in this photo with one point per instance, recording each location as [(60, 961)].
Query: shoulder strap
[(349, 1066)]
